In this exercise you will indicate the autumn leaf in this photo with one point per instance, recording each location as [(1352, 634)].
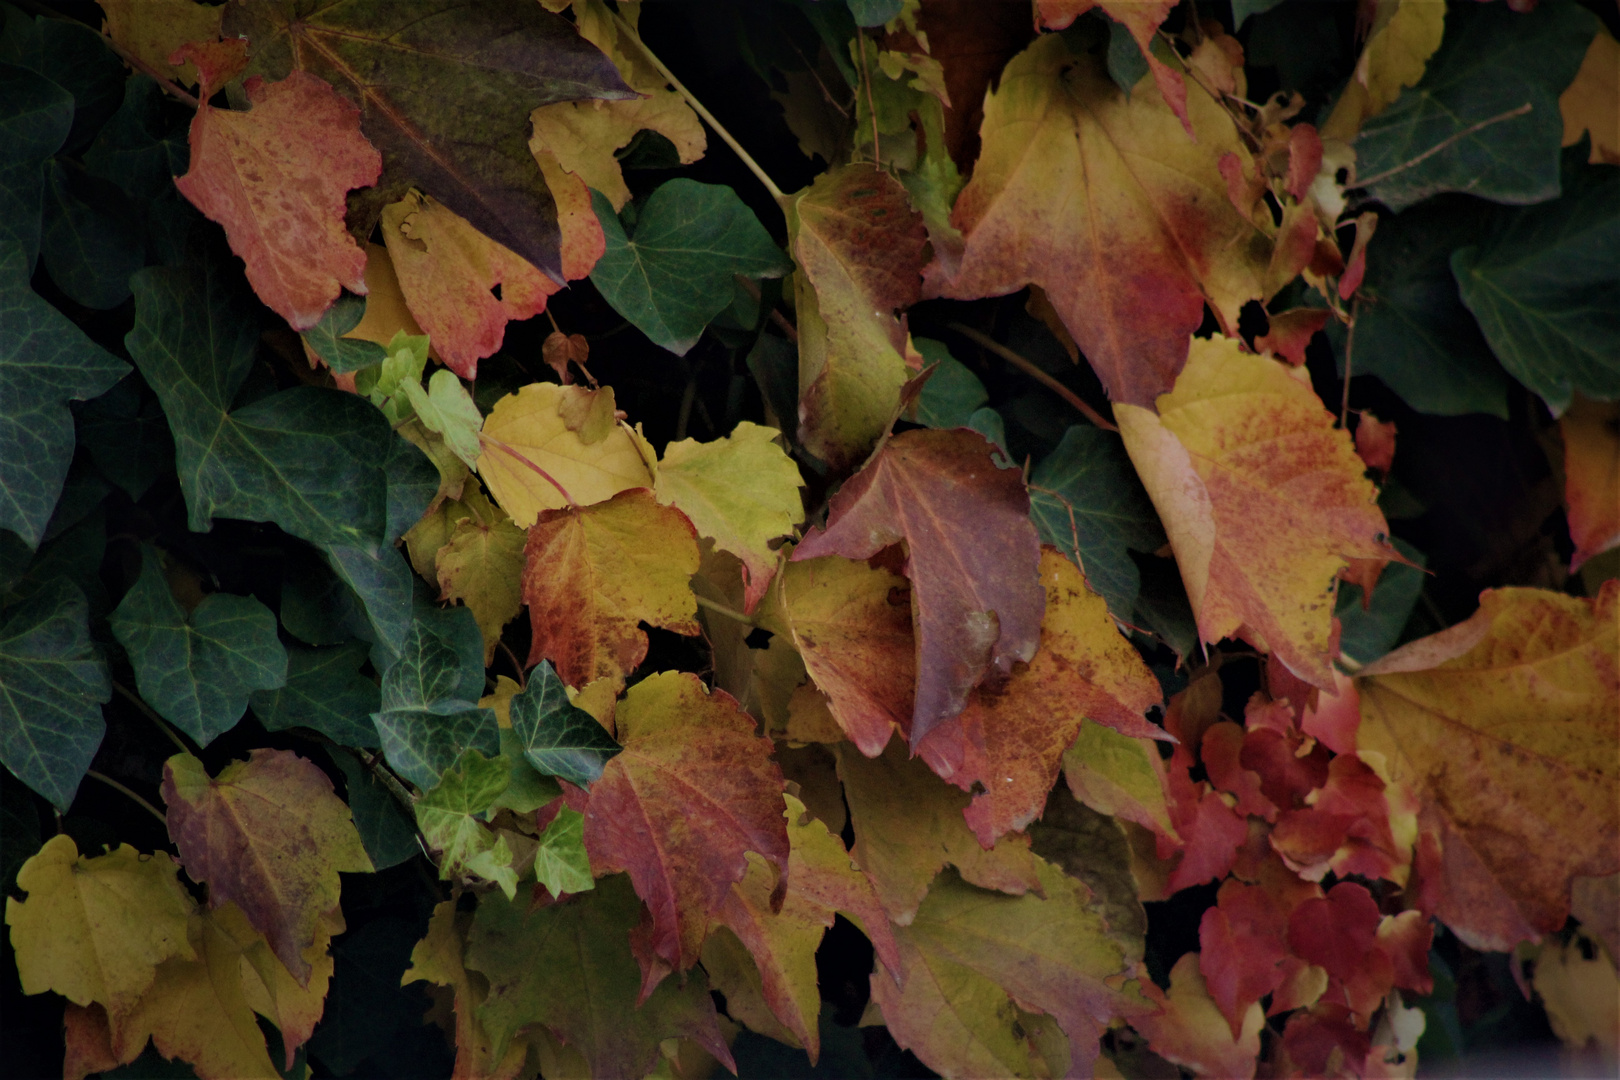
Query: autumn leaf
[(1263, 500), (299, 139), (741, 491), (1191, 1031), (593, 575), (1588, 103), (1007, 744), (1119, 775), (153, 29), (1505, 725), (1142, 21), (859, 247), (537, 455), (1591, 434), (437, 959), (480, 564), (689, 757), (1402, 38), (1106, 205), (268, 834), (970, 554)]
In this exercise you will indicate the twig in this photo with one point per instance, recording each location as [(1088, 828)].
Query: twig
[(552, 480), (721, 609), (389, 781), (697, 107), (866, 84), (135, 700), (1349, 348), (116, 786), (517, 666), (776, 316), (170, 87), (1029, 368), (1441, 145)]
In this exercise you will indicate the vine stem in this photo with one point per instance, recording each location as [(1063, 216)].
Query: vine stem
[(866, 84), (1441, 145), (116, 786), (552, 480), (135, 699), (697, 107), (1349, 351), (721, 609), (1028, 368)]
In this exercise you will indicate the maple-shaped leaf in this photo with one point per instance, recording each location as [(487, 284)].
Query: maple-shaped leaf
[(1007, 743), (741, 491), (592, 575), (276, 177), (521, 952), (1506, 727), (859, 247), (95, 929), (908, 825), (547, 452), (153, 30), (970, 954), (480, 564), (1263, 499), (1190, 1030), (197, 668), (55, 682), (1141, 20), (558, 738), (1106, 204), (820, 883), (269, 834), (679, 808), (971, 555), (851, 624), (1591, 433), (1119, 775), (429, 709), (448, 816), (445, 90), (1095, 850)]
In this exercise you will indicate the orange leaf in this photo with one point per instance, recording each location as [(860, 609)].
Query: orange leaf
[(1191, 1031), (277, 177), (1591, 433)]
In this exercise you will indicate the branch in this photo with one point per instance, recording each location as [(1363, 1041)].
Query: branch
[(1028, 368)]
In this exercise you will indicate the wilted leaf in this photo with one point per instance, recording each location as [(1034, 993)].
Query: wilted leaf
[(558, 738), (593, 575), (481, 564), (269, 834), (971, 555), (1191, 1031), (1106, 205), (1591, 434), (324, 691), (859, 247), (1263, 499), (277, 177), (692, 792), (532, 428), (197, 668), (1506, 726), (429, 712), (741, 491)]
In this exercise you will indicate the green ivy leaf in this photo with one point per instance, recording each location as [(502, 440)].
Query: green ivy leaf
[(386, 830), (343, 354), (445, 89), (312, 460), (1492, 61), (325, 692), (1412, 330), (127, 436), (73, 56), (1086, 501), (140, 149), (1544, 284), (561, 863), (675, 273), (558, 738), (429, 714), (45, 361), (197, 670), (1366, 635), (52, 683), (93, 240), (35, 116), (529, 789), (383, 583), (952, 393), (448, 817)]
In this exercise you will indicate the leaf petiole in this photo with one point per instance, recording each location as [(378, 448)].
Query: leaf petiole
[(116, 786)]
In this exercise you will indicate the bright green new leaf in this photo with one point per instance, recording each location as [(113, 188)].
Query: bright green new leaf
[(447, 408), (197, 669), (45, 361), (529, 788), (671, 272), (1544, 282), (448, 816), (1484, 119), (559, 738), (1086, 501), (343, 354), (561, 863), (325, 692), (52, 683), (429, 714)]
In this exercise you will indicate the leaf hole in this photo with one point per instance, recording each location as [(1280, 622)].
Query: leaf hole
[(496, 291)]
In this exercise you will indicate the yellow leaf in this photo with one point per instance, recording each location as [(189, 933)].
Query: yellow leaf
[(526, 432), (1592, 101), (481, 565), (432, 531), (1507, 726), (1263, 499), (741, 491), (501, 700), (1191, 1030), (270, 989), (153, 29), (96, 929), (1591, 431), (1405, 34), (1578, 985), (386, 312)]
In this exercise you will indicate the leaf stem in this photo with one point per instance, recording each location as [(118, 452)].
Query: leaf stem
[(776, 316), (1349, 350), (389, 781), (697, 107), (721, 609), (116, 786), (135, 700), (552, 480), (169, 86), (517, 666), (866, 84), (1441, 145), (1028, 368)]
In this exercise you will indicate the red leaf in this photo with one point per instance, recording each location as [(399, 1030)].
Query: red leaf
[(1223, 745), (1337, 931), (971, 554), (1322, 1042), (1304, 161), (1375, 442), (1243, 943), (693, 792), (1212, 830), (1291, 331), (1346, 828), (1405, 939), (277, 177)]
